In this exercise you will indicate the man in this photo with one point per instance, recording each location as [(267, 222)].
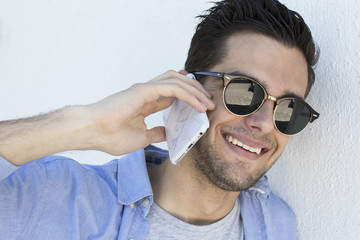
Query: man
[(254, 59)]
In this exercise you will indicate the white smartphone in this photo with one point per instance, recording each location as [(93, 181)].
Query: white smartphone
[(184, 126)]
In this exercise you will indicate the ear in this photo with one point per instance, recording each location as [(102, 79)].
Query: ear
[(183, 72)]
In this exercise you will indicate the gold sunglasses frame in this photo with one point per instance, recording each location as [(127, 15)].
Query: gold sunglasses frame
[(227, 78)]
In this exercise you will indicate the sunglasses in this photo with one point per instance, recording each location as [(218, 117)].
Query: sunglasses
[(243, 96)]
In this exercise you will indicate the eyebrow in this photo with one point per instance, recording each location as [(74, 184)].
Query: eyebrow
[(288, 92)]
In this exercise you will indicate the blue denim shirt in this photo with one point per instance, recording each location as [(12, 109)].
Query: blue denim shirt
[(58, 198)]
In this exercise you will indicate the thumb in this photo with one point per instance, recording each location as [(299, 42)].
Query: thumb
[(156, 134)]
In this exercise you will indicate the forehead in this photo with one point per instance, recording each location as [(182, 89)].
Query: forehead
[(280, 69)]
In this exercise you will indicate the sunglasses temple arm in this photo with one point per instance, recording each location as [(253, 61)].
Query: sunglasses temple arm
[(314, 116), (211, 74)]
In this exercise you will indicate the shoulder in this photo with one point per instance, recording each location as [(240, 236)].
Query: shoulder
[(38, 171), (57, 172), (25, 194), (57, 190)]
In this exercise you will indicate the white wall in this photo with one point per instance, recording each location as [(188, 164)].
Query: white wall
[(319, 172), (55, 53)]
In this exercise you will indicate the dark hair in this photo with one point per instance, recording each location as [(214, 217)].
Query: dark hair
[(268, 17)]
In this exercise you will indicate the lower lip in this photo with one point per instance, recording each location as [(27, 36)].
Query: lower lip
[(242, 152)]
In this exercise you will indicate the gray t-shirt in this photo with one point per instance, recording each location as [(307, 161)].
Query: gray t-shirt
[(167, 227)]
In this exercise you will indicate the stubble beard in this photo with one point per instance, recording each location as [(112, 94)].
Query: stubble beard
[(219, 173)]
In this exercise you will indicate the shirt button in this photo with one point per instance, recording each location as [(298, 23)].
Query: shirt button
[(132, 206), (145, 203)]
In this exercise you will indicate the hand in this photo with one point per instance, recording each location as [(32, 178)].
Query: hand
[(120, 118)]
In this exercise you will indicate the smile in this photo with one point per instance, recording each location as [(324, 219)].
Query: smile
[(242, 145)]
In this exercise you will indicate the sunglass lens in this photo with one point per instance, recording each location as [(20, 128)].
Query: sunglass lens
[(242, 96), (291, 116)]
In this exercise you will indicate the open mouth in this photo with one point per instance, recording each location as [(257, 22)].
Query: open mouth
[(238, 143)]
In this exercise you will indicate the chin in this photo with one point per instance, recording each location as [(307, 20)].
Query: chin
[(229, 175)]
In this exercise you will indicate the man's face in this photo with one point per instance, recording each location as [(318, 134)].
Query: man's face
[(282, 71)]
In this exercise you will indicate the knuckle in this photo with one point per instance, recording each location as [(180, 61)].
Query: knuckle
[(170, 73)]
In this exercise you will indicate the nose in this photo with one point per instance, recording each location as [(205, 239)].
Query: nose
[(262, 120)]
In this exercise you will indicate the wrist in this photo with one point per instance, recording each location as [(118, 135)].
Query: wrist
[(81, 125)]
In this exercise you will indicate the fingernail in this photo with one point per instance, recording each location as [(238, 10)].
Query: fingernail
[(211, 101), (208, 94)]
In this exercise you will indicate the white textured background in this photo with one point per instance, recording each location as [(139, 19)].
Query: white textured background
[(60, 52)]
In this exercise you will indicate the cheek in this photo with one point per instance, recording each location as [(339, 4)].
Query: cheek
[(220, 116), (282, 141), (220, 113)]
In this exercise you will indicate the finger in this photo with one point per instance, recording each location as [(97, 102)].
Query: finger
[(186, 93), (195, 84), (160, 104), (192, 96), (175, 75), (156, 134)]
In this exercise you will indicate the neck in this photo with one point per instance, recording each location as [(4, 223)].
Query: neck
[(188, 195)]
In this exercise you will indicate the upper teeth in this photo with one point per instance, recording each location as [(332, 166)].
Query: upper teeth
[(240, 144)]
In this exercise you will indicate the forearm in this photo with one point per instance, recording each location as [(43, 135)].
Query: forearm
[(115, 125), (27, 139)]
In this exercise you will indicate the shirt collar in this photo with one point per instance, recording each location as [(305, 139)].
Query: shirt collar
[(133, 180), (262, 186)]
